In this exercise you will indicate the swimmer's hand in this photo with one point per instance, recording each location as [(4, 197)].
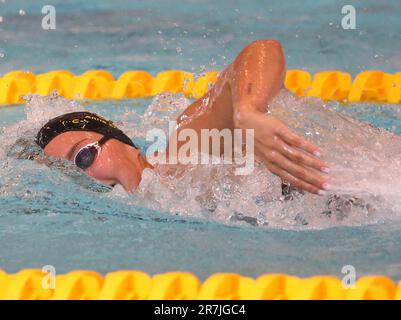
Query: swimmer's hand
[(286, 154)]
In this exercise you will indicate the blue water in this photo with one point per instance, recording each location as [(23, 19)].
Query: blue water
[(119, 35), (63, 224)]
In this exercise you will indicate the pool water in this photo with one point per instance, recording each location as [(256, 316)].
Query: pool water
[(49, 217), (196, 35)]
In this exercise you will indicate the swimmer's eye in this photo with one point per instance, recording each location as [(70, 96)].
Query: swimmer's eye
[(86, 156)]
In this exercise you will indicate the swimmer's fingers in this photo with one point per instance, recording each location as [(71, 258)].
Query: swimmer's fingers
[(304, 174), (295, 140), (301, 157), (293, 180)]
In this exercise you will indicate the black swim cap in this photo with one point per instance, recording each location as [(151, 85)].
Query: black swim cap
[(80, 121)]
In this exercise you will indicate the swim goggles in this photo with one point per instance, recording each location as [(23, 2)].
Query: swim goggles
[(85, 156)]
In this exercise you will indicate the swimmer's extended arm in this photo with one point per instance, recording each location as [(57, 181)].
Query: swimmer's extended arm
[(239, 99)]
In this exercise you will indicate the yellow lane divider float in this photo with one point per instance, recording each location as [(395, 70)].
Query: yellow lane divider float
[(368, 86), (33, 284)]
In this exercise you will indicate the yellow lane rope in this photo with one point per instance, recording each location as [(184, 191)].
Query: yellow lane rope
[(33, 284), (367, 86)]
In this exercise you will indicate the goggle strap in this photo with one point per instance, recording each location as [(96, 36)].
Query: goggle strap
[(104, 140)]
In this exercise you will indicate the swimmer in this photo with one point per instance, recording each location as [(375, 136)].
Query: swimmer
[(238, 100)]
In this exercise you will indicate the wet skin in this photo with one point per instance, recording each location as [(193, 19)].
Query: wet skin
[(116, 163), (238, 100)]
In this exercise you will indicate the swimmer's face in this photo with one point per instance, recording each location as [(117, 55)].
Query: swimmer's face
[(116, 162)]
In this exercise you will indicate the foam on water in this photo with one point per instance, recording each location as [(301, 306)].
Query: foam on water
[(365, 177), (364, 162)]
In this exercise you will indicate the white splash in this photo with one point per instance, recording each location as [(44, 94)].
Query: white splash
[(365, 169), (365, 177)]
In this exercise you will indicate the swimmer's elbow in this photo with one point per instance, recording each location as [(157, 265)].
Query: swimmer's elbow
[(271, 45), (269, 48), (266, 42)]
